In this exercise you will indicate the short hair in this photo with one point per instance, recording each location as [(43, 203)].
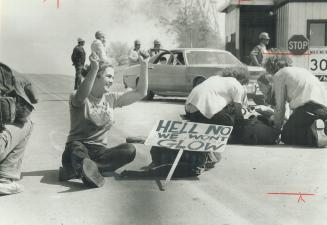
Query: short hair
[(98, 34), (277, 60), (239, 73), (264, 78)]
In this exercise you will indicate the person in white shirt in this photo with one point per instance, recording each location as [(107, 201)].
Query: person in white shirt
[(306, 97), (98, 47), (219, 99)]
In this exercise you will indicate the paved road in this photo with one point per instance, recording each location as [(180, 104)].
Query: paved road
[(234, 193)]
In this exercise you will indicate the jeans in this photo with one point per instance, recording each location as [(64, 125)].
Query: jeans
[(78, 76), (297, 130), (13, 141), (107, 159)]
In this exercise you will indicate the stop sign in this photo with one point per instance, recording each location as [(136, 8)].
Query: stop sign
[(298, 44)]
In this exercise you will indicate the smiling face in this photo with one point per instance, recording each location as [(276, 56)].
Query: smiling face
[(104, 80)]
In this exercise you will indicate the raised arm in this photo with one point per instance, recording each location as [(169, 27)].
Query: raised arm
[(86, 86), (141, 90)]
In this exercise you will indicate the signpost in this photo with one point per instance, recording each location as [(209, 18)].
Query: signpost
[(188, 136), (318, 62), (298, 44)]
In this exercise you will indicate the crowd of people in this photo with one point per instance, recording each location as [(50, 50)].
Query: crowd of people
[(217, 100)]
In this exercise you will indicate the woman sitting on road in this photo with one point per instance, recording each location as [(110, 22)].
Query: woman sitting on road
[(91, 113)]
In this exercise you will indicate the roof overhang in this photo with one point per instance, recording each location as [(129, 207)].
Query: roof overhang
[(232, 4)]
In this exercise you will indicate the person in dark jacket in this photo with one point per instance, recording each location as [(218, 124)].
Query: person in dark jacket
[(14, 135), (78, 59)]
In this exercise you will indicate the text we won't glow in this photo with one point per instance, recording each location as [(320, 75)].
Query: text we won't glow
[(191, 136)]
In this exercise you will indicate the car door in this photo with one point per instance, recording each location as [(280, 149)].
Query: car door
[(169, 76)]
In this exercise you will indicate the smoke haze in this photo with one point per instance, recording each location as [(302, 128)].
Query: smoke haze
[(36, 37)]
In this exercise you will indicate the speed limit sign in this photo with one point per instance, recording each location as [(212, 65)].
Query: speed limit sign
[(318, 62)]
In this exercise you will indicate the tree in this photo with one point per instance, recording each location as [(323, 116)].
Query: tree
[(195, 24), (119, 52)]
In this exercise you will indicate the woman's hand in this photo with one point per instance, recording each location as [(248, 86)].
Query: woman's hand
[(94, 61)]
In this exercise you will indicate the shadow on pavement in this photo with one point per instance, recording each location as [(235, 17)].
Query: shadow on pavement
[(51, 177), (167, 101)]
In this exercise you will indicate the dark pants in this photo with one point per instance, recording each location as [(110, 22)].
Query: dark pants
[(224, 117), (297, 130), (227, 117), (78, 76), (107, 159)]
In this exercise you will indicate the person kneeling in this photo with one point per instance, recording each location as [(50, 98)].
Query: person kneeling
[(217, 100), (306, 96)]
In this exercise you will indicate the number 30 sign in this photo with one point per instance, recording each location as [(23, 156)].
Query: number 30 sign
[(318, 62)]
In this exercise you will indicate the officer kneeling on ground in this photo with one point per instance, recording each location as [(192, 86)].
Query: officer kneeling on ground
[(306, 96), (217, 100)]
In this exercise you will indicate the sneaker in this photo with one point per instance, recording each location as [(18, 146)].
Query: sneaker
[(136, 139), (8, 187), (91, 176), (319, 127), (66, 174)]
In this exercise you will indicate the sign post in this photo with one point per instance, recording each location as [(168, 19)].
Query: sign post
[(188, 136), (298, 44)]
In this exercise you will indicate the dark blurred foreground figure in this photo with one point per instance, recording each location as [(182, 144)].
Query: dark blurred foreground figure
[(217, 100), (78, 59), (306, 96), (87, 153), (16, 98)]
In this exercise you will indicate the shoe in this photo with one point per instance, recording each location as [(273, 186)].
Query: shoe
[(136, 139), (8, 187), (91, 176), (319, 127), (66, 174)]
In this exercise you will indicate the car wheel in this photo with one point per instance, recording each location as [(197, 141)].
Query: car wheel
[(198, 81), (149, 96)]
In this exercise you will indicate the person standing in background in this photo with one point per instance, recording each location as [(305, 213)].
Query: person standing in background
[(98, 47), (156, 48), (78, 59), (257, 53), (133, 57)]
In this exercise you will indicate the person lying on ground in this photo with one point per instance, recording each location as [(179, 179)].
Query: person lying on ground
[(306, 96), (87, 153)]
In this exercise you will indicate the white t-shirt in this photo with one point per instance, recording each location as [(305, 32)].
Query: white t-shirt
[(212, 95), (296, 86)]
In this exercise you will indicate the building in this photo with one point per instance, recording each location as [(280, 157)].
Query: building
[(282, 19)]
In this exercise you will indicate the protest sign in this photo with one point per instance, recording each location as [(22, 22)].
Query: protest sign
[(189, 136)]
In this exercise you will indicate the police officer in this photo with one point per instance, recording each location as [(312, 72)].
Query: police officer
[(156, 48), (257, 53), (78, 59)]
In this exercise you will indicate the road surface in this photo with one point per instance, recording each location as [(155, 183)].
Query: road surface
[(233, 193)]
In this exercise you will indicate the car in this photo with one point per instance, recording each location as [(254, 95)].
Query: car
[(175, 72)]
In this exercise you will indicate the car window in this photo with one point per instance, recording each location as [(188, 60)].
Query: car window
[(179, 59), (163, 58), (211, 58)]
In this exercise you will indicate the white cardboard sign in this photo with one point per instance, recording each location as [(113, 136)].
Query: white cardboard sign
[(318, 62), (189, 136)]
